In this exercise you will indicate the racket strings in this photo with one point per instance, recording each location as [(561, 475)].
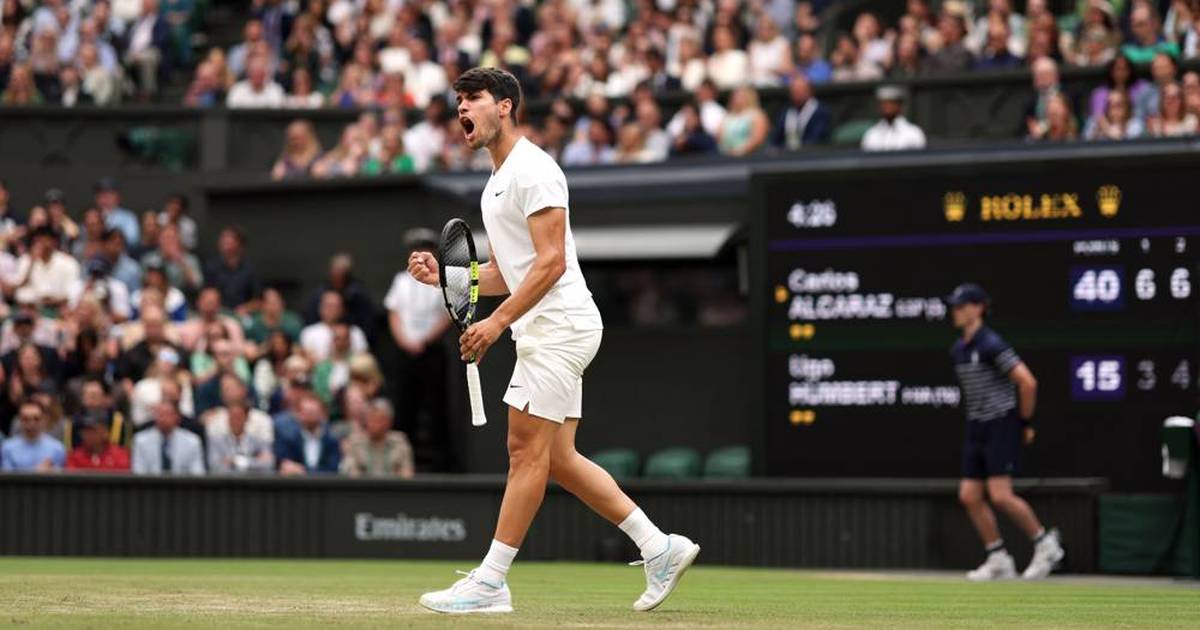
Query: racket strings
[(455, 259)]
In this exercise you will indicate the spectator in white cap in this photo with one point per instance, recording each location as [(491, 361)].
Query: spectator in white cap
[(893, 132)]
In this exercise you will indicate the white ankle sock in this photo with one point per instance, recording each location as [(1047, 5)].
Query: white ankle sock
[(495, 565), (649, 539)]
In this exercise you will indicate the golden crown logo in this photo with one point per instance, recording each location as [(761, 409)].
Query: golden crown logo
[(1109, 198), (955, 204)]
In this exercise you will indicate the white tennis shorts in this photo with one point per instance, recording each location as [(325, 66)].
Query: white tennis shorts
[(548, 376)]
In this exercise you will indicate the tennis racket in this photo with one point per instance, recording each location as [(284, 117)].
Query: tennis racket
[(458, 272)]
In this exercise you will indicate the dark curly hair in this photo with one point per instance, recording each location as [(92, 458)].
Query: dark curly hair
[(499, 83)]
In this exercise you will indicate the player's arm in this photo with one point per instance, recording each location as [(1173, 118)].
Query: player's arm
[(547, 229), (1026, 389), (423, 266), (490, 280)]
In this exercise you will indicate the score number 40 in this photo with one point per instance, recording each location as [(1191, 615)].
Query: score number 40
[(1099, 288)]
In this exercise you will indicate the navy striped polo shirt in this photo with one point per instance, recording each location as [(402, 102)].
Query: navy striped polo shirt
[(982, 365)]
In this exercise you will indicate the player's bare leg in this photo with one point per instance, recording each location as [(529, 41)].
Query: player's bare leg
[(665, 557), (583, 478), (970, 494), (999, 564), (1047, 549), (1000, 493)]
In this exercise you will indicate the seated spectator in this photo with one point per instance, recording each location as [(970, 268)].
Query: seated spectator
[(91, 238), (354, 88), (181, 266), (728, 66), (173, 302), (167, 448), (133, 364), (425, 79), (1045, 85), (21, 90), (354, 406), (175, 212), (591, 149), (893, 132), (107, 197), (47, 273), (238, 450), (1098, 40), (96, 452), (147, 50), (357, 304), (211, 357), (631, 146), (95, 401), (346, 158), (874, 46), (271, 369), (30, 449), (649, 120), (659, 79), (770, 54), (1163, 72), (907, 58), (209, 312), (426, 140), (99, 83), (809, 61), (239, 54), (236, 396), (848, 62), (150, 229), (692, 139), (232, 274), (1147, 37), (97, 284), (996, 54), (28, 326), (1059, 124), (300, 151), (392, 158), (690, 65), (207, 88), (303, 95), (1191, 93), (257, 90), (273, 317), (984, 35), (164, 379), (805, 121), (1172, 120), (953, 56), (333, 373), (1119, 77), (306, 446), (378, 451), (744, 129), (56, 206), (1116, 123), (317, 339), (121, 266), (71, 88)]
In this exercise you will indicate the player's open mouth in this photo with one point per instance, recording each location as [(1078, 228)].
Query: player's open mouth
[(468, 125)]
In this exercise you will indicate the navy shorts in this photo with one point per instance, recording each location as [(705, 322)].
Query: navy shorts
[(993, 447)]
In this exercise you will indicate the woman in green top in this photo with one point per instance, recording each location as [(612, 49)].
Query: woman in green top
[(273, 316), (745, 127), (392, 158)]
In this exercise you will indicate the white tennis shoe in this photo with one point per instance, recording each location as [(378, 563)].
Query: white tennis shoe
[(470, 595), (664, 571), (1046, 556), (998, 566)]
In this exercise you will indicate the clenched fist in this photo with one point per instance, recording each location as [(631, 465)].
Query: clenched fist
[(423, 267)]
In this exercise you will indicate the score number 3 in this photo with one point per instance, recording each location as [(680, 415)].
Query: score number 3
[(1098, 378)]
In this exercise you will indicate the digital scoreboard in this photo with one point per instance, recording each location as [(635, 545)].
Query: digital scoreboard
[(1091, 265)]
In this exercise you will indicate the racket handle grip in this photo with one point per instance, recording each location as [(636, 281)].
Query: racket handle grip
[(476, 395)]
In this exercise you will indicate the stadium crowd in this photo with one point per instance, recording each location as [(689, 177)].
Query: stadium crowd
[(122, 350), (603, 64)]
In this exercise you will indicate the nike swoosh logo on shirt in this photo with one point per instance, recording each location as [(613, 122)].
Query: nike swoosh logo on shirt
[(500, 193), (513, 386)]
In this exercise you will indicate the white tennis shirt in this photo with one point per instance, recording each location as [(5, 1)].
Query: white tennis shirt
[(530, 180)]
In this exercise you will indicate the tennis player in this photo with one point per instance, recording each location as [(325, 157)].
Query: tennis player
[(556, 327), (999, 394)]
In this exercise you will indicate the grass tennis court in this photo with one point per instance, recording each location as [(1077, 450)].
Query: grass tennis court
[(98, 593)]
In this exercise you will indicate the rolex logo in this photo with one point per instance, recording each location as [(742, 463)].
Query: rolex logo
[(1109, 199), (955, 204)]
